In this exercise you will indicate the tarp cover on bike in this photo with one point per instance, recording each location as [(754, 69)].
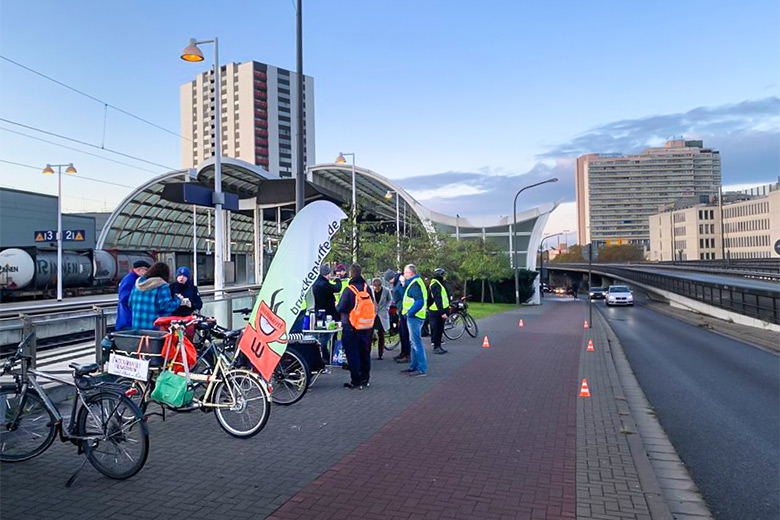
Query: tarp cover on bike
[(293, 271)]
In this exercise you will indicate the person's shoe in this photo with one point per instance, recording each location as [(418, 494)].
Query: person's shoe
[(353, 387), (408, 370), (439, 350), (417, 373), (403, 359), (378, 359), (366, 384)]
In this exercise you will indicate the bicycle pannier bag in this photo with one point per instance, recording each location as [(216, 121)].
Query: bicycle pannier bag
[(172, 390), (363, 315)]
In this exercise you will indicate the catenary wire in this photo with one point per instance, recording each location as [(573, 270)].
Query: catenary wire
[(75, 175), (84, 143), (77, 150), (93, 98)]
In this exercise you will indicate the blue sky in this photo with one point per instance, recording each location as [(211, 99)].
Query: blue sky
[(494, 93)]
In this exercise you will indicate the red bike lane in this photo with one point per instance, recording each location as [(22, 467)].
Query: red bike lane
[(495, 440)]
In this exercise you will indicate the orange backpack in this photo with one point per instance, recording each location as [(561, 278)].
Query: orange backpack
[(363, 315)]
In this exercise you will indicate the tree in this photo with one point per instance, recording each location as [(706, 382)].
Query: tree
[(621, 253), (573, 255)]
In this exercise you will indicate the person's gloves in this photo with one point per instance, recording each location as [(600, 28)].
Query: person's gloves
[(186, 302)]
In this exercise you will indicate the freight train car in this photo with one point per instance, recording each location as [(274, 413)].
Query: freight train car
[(30, 272)]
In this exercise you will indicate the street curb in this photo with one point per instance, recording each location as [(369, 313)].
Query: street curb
[(673, 494)]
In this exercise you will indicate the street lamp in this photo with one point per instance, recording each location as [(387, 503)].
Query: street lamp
[(541, 263), (341, 160), (514, 232), (49, 170), (388, 196), (192, 53)]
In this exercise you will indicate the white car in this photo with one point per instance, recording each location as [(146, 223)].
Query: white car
[(619, 295)]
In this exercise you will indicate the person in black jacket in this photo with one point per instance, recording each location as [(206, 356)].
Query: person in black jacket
[(356, 343), (324, 291), (190, 298)]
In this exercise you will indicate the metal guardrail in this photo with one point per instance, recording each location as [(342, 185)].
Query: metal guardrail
[(762, 304)]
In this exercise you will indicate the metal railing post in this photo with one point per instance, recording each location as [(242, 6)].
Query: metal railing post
[(229, 303), (100, 333), (28, 327)]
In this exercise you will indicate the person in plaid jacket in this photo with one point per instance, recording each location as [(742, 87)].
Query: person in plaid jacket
[(151, 297)]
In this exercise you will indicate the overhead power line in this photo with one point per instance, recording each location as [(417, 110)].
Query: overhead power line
[(41, 139), (71, 175), (85, 143), (93, 98)]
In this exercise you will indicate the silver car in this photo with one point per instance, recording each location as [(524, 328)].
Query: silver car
[(619, 295)]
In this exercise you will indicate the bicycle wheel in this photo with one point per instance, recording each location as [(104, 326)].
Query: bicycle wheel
[(120, 443), (243, 404), (32, 432), (392, 342), (471, 325), (454, 326), (290, 379), (135, 390)]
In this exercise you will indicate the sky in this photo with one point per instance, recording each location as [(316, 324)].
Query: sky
[(462, 102)]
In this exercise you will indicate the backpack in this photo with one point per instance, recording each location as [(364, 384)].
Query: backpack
[(363, 315)]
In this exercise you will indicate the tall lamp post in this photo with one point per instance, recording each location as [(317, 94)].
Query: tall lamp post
[(49, 170), (192, 53), (514, 232), (388, 196), (541, 262), (300, 185), (341, 160)]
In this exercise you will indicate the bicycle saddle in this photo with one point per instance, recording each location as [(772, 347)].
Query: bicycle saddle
[(82, 370), (233, 333)]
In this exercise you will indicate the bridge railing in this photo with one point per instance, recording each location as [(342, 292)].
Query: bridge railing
[(755, 302)]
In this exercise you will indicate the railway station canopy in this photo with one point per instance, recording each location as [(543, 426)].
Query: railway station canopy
[(148, 219)]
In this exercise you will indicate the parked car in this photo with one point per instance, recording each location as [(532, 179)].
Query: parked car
[(619, 295), (598, 293)]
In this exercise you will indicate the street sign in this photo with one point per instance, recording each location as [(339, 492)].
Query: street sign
[(777, 246), (68, 235)]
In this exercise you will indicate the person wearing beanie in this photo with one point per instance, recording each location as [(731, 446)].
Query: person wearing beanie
[(184, 286), (124, 316), (324, 292)]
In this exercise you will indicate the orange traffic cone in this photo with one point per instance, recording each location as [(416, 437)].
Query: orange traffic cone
[(590, 346), (485, 343), (586, 324), (584, 392), (521, 323)]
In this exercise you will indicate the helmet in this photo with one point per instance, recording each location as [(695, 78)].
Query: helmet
[(439, 271)]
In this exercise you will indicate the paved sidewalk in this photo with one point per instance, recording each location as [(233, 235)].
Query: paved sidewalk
[(490, 434), (494, 441)]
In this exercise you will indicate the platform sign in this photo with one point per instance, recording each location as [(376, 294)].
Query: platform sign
[(69, 235), (45, 236)]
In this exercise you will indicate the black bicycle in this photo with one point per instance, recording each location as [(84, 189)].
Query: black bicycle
[(105, 425), (459, 321)]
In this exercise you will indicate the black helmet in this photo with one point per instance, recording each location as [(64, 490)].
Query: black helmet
[(439, 271)]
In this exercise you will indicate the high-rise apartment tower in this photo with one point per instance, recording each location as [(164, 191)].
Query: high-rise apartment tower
[(616, 194), (259, 111)]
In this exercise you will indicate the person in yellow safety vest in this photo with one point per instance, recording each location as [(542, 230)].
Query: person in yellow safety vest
[(341, 275), (438, 303), (414, 307)]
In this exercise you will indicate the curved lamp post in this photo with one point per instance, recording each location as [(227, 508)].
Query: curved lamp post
[(192, 53), (514, 233)]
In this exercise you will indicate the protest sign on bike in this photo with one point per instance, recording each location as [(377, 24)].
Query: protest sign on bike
[(294, 269)]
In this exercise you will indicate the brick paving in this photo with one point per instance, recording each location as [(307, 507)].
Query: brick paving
[(496, 440), (608, 484), (493, 434)]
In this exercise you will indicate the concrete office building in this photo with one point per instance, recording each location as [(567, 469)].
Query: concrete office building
[(259, 114), (751, 228), (616, 194)]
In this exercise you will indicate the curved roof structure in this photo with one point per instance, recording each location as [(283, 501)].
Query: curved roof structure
[(145, 221)]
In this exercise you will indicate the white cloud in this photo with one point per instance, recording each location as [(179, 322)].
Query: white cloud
[(449, 191)]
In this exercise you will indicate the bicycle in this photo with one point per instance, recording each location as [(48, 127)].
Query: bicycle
[(104, 424), (239, 398), (459, 321)]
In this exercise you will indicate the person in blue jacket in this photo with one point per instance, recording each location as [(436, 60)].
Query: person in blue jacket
[(190, 298), (124, 316)]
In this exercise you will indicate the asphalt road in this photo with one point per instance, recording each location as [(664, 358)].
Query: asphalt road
[(718, 400), (747, 283)]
